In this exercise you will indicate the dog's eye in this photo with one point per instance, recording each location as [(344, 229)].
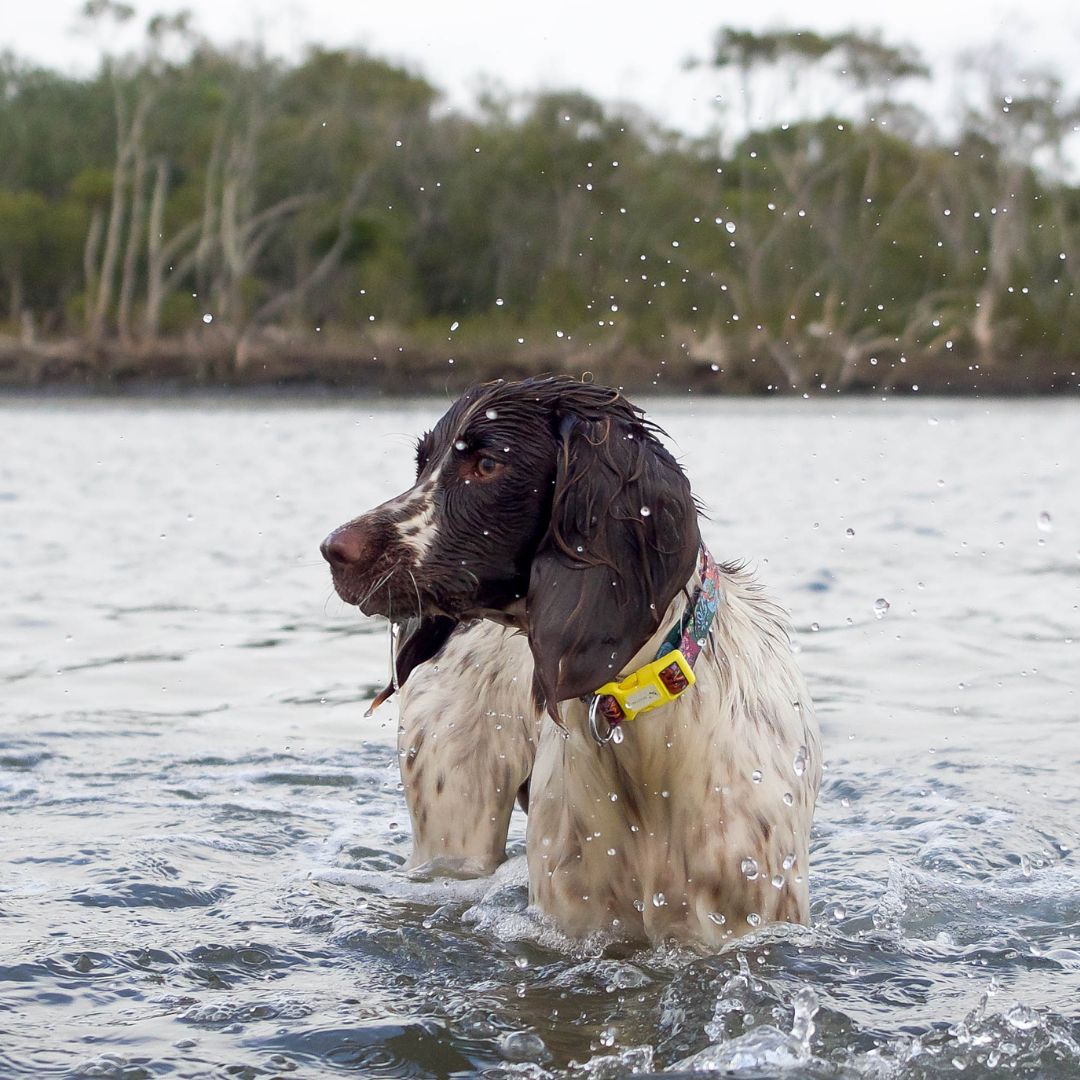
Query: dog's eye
[(487, 467)]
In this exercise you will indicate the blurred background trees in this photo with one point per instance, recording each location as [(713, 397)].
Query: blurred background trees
[(215, 205)]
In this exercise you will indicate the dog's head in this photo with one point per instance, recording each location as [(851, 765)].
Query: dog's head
[(548, 504)]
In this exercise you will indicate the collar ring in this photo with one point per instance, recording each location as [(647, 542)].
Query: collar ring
[(594, 723)]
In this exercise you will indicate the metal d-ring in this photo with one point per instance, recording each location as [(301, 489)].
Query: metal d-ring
[(594, 727)]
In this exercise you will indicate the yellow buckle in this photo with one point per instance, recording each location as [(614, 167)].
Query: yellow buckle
[(651, 686)]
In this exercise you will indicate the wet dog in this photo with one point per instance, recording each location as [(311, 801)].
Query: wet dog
[(566, 639)]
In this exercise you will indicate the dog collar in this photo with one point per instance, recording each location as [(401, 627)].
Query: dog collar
[(671, 672)]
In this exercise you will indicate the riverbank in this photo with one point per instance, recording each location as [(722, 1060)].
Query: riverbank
[(284, 361)]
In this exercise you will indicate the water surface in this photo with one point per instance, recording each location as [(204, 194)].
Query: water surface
[(199, 831)]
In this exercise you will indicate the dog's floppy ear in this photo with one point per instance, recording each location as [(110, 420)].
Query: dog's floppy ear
[(623, 539), (419, 640)]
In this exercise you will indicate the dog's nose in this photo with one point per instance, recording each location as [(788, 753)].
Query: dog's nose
[(343, 547)]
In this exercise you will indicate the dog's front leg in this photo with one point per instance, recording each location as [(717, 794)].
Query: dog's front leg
[(466, 743)]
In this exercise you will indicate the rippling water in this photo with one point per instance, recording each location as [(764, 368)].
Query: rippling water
[(200, 831)]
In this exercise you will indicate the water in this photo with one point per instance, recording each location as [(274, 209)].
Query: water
[(200, 830)]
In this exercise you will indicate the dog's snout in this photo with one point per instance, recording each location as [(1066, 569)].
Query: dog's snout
[(344, 547)]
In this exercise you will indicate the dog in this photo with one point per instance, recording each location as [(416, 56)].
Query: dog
[(566, 640)]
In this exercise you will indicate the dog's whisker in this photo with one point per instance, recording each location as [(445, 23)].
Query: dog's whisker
[(416, 589), (375, 588)]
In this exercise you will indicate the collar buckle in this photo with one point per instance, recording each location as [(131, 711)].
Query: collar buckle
[(649, 687)]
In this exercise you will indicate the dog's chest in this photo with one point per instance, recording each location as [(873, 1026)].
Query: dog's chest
[(683, 830)]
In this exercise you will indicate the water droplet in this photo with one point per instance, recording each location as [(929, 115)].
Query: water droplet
[(749, 867), (717, 917), (754, 919), (491, 414), (607, 1037), (756, 776), (454, 325), (522, 1046), (1045, 524), (839, 912), (645, 511), (788, 798), (849, 532), (617, 735), (789, 862), (881, 607), (799, 764), (613, 797), (1022, 1017), (730, 226), (460, 444), (499, 302), (208, 318), (778, 881), (611, 851), (815, 627), (639, 905), (659, 900), (579, 549), (806, 1005), (520, 962)]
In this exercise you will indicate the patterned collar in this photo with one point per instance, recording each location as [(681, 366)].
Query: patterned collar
[(671, 672)]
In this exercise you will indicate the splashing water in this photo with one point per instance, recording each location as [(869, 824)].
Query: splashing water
[(200, 872)]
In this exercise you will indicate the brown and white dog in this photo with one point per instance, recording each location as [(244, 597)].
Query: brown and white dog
[(547, 547)]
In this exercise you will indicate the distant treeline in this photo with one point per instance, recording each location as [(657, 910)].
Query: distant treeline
[(221, 216)]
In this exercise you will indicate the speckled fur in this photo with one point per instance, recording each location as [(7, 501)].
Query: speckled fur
[(547, 528), (648, 837), (466, 741)]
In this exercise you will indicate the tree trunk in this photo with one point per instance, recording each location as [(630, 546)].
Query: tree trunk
[(103, 299), (208, 223), (16, 301), (90, 257), (165, 268), (134, 242), (155, 285)]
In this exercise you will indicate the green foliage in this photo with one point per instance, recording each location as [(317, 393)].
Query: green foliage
[(331, 193)]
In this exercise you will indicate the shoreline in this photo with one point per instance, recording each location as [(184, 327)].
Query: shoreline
[(183, 366)]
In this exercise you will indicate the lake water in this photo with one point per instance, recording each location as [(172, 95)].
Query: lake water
[(199, 830)]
